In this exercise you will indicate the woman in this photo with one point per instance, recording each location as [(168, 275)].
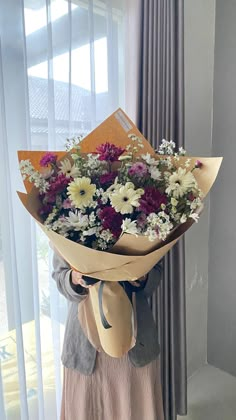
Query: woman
[(97, 386)]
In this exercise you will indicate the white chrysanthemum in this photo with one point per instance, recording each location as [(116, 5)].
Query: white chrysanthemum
[(167, 162), (149, 160), (68, 170), (126, 198), (81, 192), (99, 192), (182, 151), (180, 182), (93, 165), (91, 231), (173, 201), (60, 226), (106, 235), (159, 223), (177, 217), (92, 161), (196, 203), (152, 234), (155, 172), (176, 157), (187, 163), (129, 226), (25, 164), (101, 244), (77, 220), (75, 156), (92, 217), (51, 217), (183, 218), (125, 157), (166, 147), (194, 216), (35, 177)]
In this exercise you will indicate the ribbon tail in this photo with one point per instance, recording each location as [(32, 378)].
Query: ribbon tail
[(105, 323)]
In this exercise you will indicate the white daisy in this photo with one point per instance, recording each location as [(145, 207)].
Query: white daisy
[(68, 170), (126, 198), (180, 182), (81, 192)]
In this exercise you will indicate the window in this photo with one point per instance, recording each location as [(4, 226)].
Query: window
[(61, 78)]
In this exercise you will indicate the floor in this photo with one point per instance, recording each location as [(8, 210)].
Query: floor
[(211, 395)]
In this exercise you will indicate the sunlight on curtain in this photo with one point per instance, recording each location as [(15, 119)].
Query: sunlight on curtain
[(61, 74)]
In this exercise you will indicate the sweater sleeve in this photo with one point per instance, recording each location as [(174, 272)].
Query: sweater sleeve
[(62, 275), (154, 278)]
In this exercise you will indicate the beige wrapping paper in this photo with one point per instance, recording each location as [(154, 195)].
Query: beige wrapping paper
[(117, 340), (130, 258)]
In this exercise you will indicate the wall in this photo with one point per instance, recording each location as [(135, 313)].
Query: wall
[(222, 281), (199, 67)]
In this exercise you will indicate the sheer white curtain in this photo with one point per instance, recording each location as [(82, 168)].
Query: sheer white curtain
[(61, 74)]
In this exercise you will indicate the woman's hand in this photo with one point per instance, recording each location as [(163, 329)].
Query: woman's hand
[(77, 278)]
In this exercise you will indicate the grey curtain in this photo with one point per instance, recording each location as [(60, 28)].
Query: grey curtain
[(160, 114)]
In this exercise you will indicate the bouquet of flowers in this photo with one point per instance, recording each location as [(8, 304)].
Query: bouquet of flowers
[(112, 207), (94, 198)]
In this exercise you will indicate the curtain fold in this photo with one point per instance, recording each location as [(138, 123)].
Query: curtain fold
[(61, 72), (155, 100)]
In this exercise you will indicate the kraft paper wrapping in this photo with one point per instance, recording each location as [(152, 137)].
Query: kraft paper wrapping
[(121, 337), (131, 257)]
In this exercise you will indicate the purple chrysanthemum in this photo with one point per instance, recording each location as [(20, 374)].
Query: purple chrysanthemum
[(111, 220), (151, 200), (142, 220), (138, 169), (57, 185), (108, 179), (109, 152), (48, 159), (67, 204), (45, 210)]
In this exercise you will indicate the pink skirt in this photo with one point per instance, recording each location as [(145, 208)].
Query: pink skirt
[(115, 391)]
